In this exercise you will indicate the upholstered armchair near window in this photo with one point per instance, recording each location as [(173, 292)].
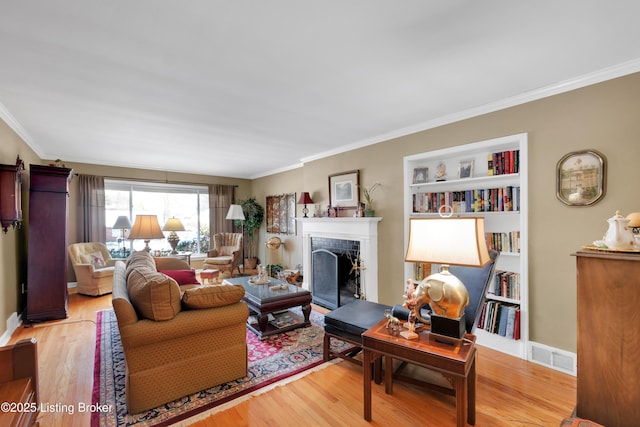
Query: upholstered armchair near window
[(93, 266), (226, 253)]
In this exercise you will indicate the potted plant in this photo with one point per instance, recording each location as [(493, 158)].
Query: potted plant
[(253, 216), (368, 198)]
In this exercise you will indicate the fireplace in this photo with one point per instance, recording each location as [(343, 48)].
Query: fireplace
[(352, 236), (335, 281)]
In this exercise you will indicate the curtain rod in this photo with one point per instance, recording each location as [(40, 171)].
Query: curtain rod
[(154, 180)]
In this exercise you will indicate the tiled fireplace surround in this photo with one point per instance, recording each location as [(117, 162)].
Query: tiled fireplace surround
[(362, 230)]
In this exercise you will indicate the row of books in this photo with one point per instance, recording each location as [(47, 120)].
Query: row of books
[(504, 242), (506, 284), (502, 199), (500, 318), (503, 162)]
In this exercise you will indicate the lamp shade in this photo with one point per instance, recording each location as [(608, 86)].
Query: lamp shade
[(173, 224), (122, 223), (146, 227), (305, 198), (235, 212), (452, 241)]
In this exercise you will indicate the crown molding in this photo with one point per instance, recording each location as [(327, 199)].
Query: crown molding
[(11, 121), (599, 76), (275, 171)]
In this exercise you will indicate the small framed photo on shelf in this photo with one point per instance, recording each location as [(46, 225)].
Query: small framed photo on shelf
[(465, 169), (420, 175), (441, 172)]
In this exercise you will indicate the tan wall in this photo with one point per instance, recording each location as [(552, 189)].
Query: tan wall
[(287, 182), (13, 245), (603, 117)]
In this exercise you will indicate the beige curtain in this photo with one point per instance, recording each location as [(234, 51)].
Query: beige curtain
[(91, 209), (220, 198)]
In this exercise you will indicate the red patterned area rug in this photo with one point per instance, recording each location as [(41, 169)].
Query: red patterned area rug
[(276, 360)]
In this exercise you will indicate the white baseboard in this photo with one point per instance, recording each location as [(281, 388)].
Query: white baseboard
[(72, 287), (551, 357), (13, 322)]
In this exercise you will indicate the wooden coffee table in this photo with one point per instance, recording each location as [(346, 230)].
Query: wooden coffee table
[(269, 304), (455, 362)]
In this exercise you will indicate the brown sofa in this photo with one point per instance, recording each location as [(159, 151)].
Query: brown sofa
[(177, 339)]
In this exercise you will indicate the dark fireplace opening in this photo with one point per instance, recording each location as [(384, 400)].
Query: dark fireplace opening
[(334, 279)]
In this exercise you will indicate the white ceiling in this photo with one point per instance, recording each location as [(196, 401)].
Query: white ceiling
[(245, 88)]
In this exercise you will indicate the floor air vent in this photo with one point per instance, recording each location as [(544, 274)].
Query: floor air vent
[(553, 358)]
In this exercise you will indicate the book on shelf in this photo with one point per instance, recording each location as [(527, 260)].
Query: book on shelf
[(503, 162), (504, 242), (502, 328), (506, 284), (510, 323), (501, 199), (501, 319)]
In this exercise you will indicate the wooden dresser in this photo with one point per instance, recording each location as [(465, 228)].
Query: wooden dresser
[(47, 258), (608, 383)]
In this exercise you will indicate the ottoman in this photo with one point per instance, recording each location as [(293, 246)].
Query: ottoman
[(347, 323), (209, 274)]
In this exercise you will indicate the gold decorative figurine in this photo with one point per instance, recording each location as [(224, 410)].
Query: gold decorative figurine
[(393, 323), (410, 303)]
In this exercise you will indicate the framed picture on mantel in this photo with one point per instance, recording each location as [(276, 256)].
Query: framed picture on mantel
[(344, 189)]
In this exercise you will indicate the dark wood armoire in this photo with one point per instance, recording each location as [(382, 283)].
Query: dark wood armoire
[(47, 293)]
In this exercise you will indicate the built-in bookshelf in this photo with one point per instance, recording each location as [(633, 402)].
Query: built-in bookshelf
[(488, 179)]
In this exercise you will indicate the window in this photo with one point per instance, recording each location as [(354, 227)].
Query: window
[(189, 203)]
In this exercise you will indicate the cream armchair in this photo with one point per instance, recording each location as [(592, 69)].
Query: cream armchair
[(93, 266), (226, 253)]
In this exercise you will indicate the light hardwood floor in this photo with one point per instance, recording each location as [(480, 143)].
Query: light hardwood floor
[(511, 392)]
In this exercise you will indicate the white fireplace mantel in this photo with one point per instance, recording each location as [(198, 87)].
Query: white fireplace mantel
[(363, 230)]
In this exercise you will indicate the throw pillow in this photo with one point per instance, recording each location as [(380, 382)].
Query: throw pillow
[(212, 296), (154, 295), (96, 260), (183, 277), (227, 250), (140, 259)]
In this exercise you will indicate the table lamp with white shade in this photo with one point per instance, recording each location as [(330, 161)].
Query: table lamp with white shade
[(235, 213), (122, 223), (173, 224), (446, 241), (146, 227)]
